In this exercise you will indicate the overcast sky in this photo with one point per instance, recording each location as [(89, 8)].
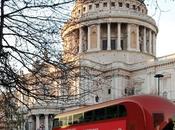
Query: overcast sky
[(166, 24)]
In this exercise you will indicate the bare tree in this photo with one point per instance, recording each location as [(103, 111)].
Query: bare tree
[(31, 54), (32, 63), (29, 37)]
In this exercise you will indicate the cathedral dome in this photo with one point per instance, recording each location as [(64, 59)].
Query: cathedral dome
[(112, 29)]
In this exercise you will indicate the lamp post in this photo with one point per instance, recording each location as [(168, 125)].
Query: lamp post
[(158, 76)]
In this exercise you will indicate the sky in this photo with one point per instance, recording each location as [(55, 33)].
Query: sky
[(165, 20)]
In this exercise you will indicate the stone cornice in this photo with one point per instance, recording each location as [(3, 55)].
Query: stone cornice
[(128, 67)]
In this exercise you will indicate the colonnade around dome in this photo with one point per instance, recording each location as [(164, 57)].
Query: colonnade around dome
[(112, 37)]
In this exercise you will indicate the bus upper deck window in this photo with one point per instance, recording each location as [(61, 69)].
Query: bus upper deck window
[(70, 120), (63, 121), (122, 111), (100, 114), (55, 123), (111, 112), (88, 116), (78, 118)]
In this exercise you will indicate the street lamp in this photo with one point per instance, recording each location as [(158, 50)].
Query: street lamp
[(158, 76)]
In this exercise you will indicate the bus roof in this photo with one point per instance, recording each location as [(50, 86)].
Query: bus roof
[(149, 102)]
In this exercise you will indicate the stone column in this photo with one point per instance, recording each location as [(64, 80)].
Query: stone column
[(37, 122), (46, 122), (144, 39), (150, 40), (30, 123), (119, 36), (98, 37), (109, 37), (154, 44), (137, 38), (80, 40), (89, 38), (129, 36)]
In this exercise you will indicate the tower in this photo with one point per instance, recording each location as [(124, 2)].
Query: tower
[(113, 36)]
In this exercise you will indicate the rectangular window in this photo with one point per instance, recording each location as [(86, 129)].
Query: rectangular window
[(97, 5), (113, 44), (109, 91), (111, 112), (70, 120), (112, 4), (120, 4), (77, 118), (88, 116), (100, 114), (116, 111), (105, 4), (104, 44), (122, 111), (122, 45), (63, 121), (90, 7), (127, 5), (134, 7), (56, 123)]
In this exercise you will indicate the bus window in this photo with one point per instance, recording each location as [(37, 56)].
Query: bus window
[(157, 118), (70, 120), (77, 118), (111, 112), (55, 123), (100, 114), (63, 121), (116, 111), (88, 116), (122, 111)]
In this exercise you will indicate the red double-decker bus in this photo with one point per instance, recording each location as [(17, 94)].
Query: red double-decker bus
[(131, 113)]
